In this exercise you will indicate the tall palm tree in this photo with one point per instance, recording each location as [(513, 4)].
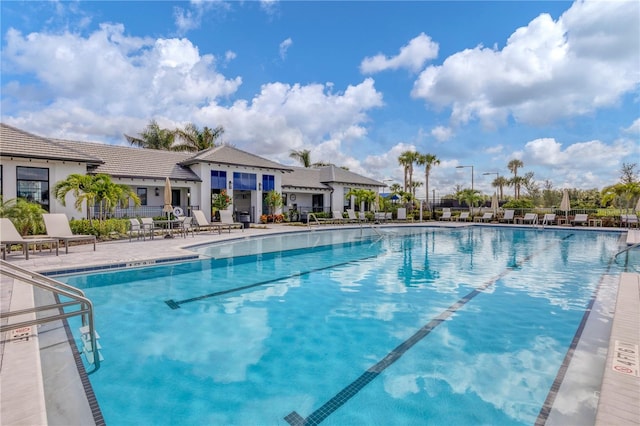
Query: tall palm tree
[(407, 159), (192, 139), (153, 137), (303, 156), (500, 182), (428, 161), (513, 167)]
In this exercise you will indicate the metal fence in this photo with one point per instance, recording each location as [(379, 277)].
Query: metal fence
[(141, 211)]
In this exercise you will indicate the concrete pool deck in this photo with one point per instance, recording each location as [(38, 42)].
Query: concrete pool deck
[(23, 399)]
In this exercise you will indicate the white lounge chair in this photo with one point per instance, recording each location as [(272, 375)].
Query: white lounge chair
[(58, 227), (531, 218), (381, 216), (9, 236), (446, 215), (629, 220), (402, 214), (508, 216), (201, 223), (548, 219), (487, 217), (464, 216), (580, 219), (352, 216), (226, 220), (338, 217)]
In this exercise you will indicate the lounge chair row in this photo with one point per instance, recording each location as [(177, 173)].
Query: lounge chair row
[(147, 227), (57, 231), (509, 217)]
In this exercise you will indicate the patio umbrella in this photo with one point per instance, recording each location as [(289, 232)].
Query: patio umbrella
[(565, 206), (638, 206), (168, 208), (494, 204)]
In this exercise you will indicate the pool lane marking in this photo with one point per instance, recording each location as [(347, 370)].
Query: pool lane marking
[(176, 304), (315, 418), (545, 410)]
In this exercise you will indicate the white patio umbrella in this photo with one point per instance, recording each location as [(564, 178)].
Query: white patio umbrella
[(494, 204), (168, 208), (638, 206), (565, 205)]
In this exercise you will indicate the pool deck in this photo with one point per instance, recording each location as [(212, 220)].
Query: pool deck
[(23, 400)]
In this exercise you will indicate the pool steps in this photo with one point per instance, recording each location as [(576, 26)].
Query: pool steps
[(87, 348)]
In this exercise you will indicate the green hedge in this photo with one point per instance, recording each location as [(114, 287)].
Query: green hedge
[(106, 229)]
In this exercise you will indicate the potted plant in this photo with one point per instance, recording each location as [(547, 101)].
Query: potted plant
[(220, 201), (273, 199)]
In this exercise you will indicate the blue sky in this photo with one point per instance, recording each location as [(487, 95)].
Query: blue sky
[(554, 84)]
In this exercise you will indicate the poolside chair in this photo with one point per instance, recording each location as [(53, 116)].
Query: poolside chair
[(136, 228), (548, 219), (58, 227), (508, 216), (380, 217), (446, 215), (580, 219), (9, 236), (464, 216), (352, 216), (226, 220), (629, 220), (402, 214), (531, 218), (362, 216), (149, 226), (487, 217), (337, 217), (201, 223)]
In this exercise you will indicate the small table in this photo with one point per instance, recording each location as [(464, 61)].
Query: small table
[(167, 224), (595, 222), (562, 220)]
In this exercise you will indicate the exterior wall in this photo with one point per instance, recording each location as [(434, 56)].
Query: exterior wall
[(58, 170), (304, 200)]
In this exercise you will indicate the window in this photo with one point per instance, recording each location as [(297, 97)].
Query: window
[(218, 179), (33, 185), (268, 183), (244, 181), (142, 194), (347, 198)]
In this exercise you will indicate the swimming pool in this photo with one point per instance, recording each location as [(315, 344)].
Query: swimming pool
[(413, 325)]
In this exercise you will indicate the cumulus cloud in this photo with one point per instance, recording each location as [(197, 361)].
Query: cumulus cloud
[(413, 56), (634, 128), (441, 133), (548, 70)]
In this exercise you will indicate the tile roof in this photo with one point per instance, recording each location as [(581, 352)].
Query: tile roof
[(229, 155), (18, 143), (323, 177), (132, 162)]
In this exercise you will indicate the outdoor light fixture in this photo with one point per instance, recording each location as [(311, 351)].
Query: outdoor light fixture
[(157, 192), (230, 185), (462, 167), (259, 186)]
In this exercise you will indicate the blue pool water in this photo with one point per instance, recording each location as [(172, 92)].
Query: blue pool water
[(413, 326)]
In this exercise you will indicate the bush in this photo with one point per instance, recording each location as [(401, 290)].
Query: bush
[(101, 229), (522, 203)]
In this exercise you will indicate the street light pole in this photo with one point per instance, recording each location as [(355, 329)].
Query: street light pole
[(492, 173), (462, 167)]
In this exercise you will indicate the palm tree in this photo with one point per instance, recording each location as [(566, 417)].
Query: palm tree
[(303, 156), (428, 161), (407, 159), (470, 196), (153, 137), (621, 192), (362, 195), (193, 139), (500, 182), (94, 189), (395, 188), (513, 167)]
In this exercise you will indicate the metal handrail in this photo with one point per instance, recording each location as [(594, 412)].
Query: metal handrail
[(626, 250), (76, 295)]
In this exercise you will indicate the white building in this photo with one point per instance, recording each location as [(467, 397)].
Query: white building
[(31, 165)]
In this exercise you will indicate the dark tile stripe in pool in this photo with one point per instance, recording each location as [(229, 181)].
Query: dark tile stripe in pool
[(176, 304), (295, 419)]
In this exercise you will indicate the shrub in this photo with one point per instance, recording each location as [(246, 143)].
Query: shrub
[(101, 229)]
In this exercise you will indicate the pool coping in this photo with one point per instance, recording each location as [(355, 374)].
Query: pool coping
[(611, 394)]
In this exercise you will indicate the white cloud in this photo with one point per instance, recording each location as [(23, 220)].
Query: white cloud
[(442, 133), (284, 47), (634, 128), (548, 70), (413, 56)]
